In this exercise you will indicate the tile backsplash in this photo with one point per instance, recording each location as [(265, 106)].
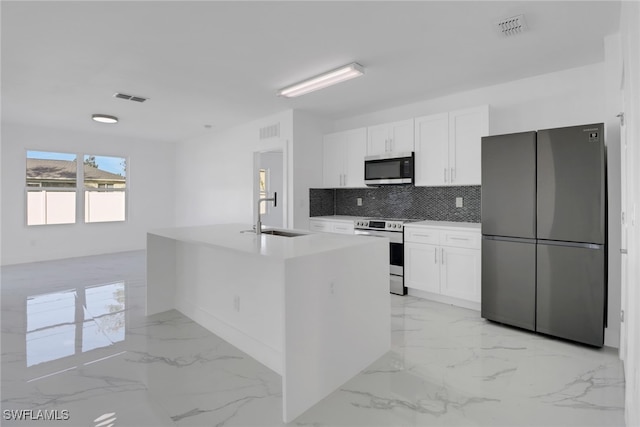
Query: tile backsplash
[(398, 201)]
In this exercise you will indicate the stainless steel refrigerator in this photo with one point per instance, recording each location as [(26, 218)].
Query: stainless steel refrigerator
[(544, 231)]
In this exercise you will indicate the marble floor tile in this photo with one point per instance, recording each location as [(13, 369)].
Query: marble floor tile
[(76, 343)]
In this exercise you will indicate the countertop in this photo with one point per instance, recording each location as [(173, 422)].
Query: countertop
[(429, 223), (448, 224), (338, 217), (229, 236)]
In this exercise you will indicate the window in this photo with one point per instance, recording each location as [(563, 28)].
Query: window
[(51, 188), (105, 184), (263, 176), (54, 196)]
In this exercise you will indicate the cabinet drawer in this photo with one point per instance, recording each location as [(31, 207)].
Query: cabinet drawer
[(317, 225), (422, 235), (460, 239), (342, 227)]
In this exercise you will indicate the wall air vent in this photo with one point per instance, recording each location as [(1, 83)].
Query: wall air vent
[(512, 26), (272, 131), (130, 97)]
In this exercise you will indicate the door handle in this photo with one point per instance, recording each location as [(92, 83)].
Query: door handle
[(459, 238), (453, 174), (435, 256), (442, 256), (445, 174)]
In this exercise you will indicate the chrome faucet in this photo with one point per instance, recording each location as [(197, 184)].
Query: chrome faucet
[(273, 199)]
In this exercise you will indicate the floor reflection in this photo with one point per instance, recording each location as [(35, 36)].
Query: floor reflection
[(73, 321)]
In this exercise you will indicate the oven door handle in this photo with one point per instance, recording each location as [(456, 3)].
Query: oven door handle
[(393, 237)]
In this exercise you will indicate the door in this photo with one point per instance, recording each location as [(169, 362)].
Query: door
[(466, 128), (270, 181), (422, 267), (432, 154), (509, 185), (571, 292), (509, 281), (356, 150), (571, 184), (460, 276), (401, 136), (333, 147), (377, 140)]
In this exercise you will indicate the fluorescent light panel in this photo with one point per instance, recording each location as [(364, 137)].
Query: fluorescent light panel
[(323, 80)]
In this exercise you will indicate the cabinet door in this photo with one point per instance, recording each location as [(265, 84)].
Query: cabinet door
[(422, 267), (401, 136), (356, 150), (377, 139), (460, 273), (466, 129), (333, 148), (431, 148)]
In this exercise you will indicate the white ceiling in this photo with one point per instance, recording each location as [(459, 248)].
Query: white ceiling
[(221, 63)]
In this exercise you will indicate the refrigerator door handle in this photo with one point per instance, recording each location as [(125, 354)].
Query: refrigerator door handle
[(571, 244), (509, 239)]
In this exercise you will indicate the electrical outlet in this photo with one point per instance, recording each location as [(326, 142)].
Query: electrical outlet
[(359, 201), (458, 202)]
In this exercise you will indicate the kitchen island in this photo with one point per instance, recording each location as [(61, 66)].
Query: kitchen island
[(314, 308)]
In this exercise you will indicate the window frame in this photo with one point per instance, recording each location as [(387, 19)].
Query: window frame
[(79, 189)]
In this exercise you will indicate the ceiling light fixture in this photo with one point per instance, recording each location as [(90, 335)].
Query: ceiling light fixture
[(323, 80), (103, 118)]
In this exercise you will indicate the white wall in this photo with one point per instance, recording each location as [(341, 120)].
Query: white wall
[(307, 156), (613, 105), (564, 98), (630, 38), (151, 195), (215, 179)]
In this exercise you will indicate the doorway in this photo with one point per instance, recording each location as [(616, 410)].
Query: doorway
[(269, 179)]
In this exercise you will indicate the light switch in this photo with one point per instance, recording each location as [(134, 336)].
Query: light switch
[(359, 201), (458, 202)]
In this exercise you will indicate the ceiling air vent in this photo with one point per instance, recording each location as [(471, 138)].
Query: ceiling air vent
[(272, 131), (512, 26), (129, 97)]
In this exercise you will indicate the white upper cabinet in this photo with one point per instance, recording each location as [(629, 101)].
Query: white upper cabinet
[(390, 137), (448, 147), (343, 158), (432, 149)]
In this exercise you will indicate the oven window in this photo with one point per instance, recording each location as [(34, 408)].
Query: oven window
[(396, 254)]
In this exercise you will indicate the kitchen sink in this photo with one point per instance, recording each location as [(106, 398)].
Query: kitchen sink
[(274, 232), (283, 233)]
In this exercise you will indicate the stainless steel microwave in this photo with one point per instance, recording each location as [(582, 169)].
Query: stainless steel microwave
[(390, 168)]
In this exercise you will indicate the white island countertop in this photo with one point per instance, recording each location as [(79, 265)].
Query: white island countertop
[(231, 236), (314, 308)]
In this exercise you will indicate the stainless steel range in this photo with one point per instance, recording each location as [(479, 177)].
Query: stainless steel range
[(393, 229)]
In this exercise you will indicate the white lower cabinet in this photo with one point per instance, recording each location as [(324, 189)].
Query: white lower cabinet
[(331, 226), (460, 273), (443, 261), (421, 267)]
